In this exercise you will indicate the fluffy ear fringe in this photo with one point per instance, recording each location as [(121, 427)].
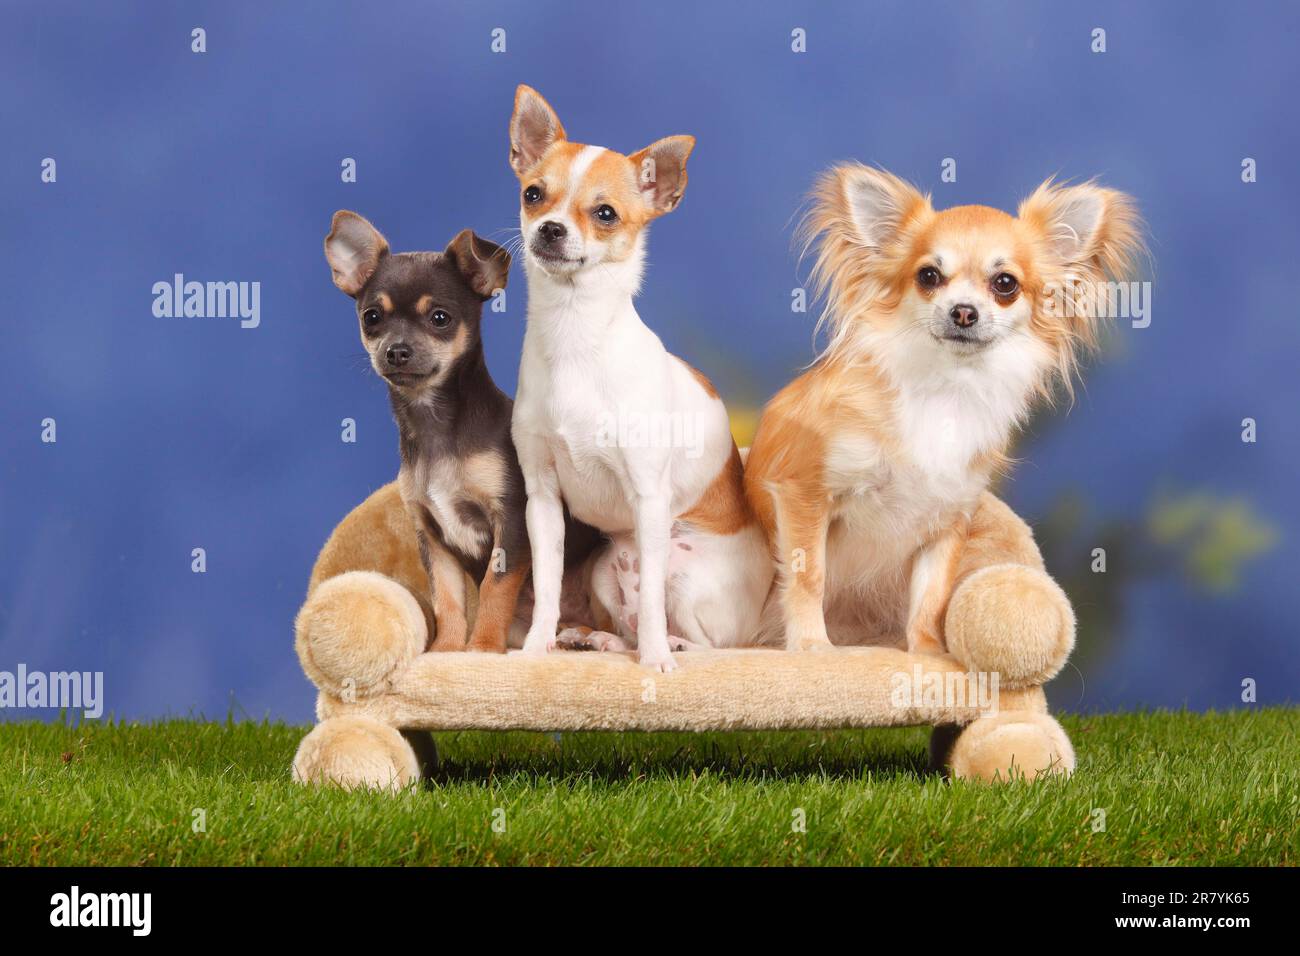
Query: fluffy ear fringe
[(851, 273), (1113, 247), (1087, 253)]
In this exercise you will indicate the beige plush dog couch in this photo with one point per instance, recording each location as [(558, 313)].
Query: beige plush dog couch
[(362, 633)]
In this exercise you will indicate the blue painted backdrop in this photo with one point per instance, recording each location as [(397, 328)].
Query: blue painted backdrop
[(180, 433)]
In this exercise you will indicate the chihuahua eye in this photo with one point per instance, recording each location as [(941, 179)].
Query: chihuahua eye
[(440, 319), (533, 194), (929, 278), (606, 214), (370, 317), (1005, 284)]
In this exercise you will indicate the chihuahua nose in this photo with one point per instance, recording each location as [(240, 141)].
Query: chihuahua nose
[(552, 231), (964, 315), (398, 355)]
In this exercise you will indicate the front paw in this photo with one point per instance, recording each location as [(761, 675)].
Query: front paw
[(539, 643), (922, 641), (808, 639), (487, 643), (586, 639), (448, 641), (662, 663), (655, 655)]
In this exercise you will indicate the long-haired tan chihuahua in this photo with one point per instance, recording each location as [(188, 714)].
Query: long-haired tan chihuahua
[(945, 326)]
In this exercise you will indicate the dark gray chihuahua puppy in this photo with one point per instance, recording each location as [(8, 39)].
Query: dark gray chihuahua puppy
[(460, 480)]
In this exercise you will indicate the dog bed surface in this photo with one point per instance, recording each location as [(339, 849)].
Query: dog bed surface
[(711, 690)]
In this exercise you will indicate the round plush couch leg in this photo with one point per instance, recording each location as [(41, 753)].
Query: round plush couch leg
[(1011, 620), (357, 752), (1006, 746), (355, 630)]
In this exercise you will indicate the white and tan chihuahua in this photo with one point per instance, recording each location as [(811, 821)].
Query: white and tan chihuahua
[(946, 325), (631, 438)]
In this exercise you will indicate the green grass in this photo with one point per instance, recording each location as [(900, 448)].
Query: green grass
[(1176, 788)]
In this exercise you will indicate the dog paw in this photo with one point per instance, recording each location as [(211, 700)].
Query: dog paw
[(663, 665), (612, 642), (923, 642), (678, 643), (538, 645), (810, 641), (582, 639), (575, 639), (657, 660)]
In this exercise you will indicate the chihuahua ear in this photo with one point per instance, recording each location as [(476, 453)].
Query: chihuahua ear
[(878, 203), (1087, 226), (353, 249), (533, 128), (661, 171), (484, 265)]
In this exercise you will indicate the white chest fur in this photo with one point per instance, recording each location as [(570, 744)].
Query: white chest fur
[(459, 494), (619, 417), (888, 503)]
